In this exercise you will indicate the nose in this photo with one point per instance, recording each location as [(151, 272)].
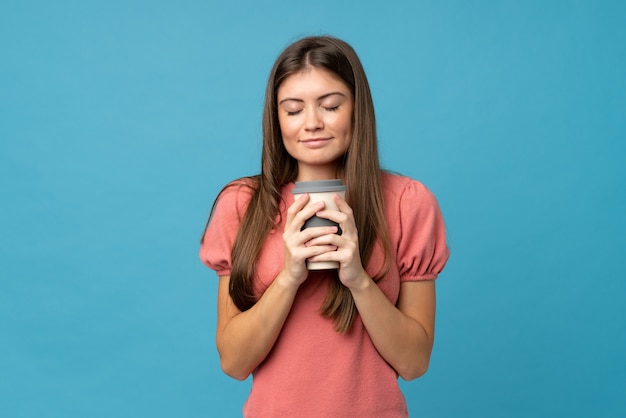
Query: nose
[(313, 120)]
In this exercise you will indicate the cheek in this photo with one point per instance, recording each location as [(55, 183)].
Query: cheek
[(287, 128), (344, 125)]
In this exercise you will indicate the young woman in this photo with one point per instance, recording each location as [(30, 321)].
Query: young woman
[(327, 343)]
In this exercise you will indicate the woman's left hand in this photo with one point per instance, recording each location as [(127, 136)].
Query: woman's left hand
[(351, 271), (402, 334)]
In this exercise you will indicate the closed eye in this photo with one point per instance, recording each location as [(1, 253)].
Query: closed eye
[(332, 109)]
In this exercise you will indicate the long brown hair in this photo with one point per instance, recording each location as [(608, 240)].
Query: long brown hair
[(359, 169)]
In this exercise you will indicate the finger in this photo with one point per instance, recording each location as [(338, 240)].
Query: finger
[(300, 210), (336, 216), (323, 235), (299, 218), (297, 206), (342, 205), (315, 236), (329, 253), (344, 217)]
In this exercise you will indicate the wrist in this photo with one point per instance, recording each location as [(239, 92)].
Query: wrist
[(287, 281), (362, 284)]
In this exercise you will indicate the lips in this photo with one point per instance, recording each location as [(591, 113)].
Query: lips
[(315, 142)]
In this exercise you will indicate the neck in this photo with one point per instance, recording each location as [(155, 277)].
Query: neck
[(313, 173)]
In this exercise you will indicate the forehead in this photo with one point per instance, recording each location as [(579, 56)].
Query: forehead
[(311, 81)]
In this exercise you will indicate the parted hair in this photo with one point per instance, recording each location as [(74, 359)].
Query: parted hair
[(359, 168)]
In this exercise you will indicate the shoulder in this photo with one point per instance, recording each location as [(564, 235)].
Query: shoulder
[(408, 200), (236, 195), (242, 185), (416, 227), (398, 187)]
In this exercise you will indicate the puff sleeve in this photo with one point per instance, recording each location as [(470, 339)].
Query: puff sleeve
[(422, 250), (219, 237)]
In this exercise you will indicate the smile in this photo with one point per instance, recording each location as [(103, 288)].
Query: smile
[(315, 142)]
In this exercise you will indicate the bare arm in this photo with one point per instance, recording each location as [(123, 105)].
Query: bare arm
[(244, 339), (403, 335)]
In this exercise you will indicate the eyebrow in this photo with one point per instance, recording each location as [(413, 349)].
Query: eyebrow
[(322, 97)]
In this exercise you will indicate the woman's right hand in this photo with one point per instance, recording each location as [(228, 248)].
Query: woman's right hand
[(295, 239)]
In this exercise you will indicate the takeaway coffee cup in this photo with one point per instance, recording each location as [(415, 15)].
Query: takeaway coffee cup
[(321, 190)]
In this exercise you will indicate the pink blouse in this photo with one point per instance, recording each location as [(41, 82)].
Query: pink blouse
[(312, 370)]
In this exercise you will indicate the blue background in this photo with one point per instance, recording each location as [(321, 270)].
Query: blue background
[(121, 120)]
